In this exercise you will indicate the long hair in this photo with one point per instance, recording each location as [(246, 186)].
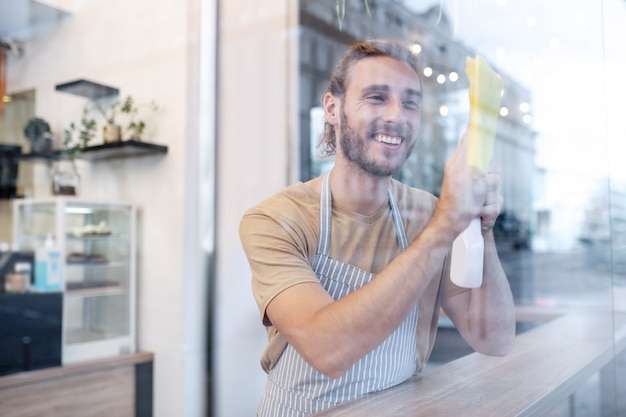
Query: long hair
[(337, 84)]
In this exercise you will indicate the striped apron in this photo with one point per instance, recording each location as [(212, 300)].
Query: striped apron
[(296, 389)]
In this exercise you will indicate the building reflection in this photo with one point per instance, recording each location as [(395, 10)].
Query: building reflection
[(445, 110)]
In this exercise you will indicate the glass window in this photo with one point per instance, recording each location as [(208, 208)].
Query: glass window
[(238, 87), (560, 233)]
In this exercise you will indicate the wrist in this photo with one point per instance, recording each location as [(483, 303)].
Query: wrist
[(488, 234), (439, 232)]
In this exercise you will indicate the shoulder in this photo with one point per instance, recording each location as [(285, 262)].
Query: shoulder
[(289, 217), (294, 201)]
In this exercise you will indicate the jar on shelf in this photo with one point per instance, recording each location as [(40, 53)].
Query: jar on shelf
[(65, 178), (112, 133)]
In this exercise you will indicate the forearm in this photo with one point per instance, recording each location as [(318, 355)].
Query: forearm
[(337, 334), (491, 310)]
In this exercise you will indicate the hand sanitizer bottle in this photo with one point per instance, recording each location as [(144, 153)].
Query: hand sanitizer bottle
[(48, 267)]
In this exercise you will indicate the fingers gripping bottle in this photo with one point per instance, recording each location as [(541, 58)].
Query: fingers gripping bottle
[(485, 93)]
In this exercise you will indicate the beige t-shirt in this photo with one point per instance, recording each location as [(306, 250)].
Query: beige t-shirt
[(280, 237)]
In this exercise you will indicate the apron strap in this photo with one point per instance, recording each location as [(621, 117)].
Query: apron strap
[(326, 213), (397, 221)]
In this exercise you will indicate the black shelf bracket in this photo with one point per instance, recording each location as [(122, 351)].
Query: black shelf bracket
[(89, 89), (122, 149)]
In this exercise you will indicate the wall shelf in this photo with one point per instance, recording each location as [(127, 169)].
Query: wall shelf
[(122, 149), (112, 150), (89, 89)]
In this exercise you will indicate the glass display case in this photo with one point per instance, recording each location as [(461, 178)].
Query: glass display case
[(96, 244)]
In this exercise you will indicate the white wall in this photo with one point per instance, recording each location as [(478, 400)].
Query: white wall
[(256, 110), (162, 50), (142, 47)]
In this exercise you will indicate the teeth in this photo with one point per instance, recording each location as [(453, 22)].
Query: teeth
[(388, 139)]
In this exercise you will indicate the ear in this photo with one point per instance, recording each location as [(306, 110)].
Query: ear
[(331, 107)]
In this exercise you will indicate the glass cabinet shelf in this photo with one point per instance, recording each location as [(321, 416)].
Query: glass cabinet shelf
[(94, 291), (96, 242)]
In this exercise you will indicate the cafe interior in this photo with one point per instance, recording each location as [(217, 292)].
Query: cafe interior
[(134, 135)]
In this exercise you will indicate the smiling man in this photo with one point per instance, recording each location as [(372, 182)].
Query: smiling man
[(350, 269)]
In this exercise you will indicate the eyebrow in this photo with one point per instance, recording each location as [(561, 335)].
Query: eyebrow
[(412, 92), (385, 87)]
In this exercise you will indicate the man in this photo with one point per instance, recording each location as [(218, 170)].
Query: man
[(350, 269)]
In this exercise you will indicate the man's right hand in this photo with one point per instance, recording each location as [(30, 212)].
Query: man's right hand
[(462, 196)]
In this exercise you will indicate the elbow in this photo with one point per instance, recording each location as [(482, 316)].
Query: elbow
[(333, 372), (500, 351), (330, 359), (500, 345), (497, 338), (327, 363), (329, 368), (508, 346)]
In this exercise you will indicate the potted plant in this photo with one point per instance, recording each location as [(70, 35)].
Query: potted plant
[(112, 129), (37, 130), (135, 126), (86, 131), (65, 178)]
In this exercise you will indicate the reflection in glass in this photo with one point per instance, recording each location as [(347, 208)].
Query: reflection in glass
[(562, 232)]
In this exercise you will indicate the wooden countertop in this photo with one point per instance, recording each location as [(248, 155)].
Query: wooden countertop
[(546, 365), (79, 368)]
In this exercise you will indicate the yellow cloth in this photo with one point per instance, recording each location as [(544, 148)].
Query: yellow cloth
[(485, 94)]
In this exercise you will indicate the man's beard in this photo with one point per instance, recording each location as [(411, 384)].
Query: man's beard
[(354, 149)]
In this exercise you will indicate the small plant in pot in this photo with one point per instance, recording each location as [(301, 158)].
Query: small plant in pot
[(37, 130), (65, 178), (72, 145), (112, 130), (136, 126)]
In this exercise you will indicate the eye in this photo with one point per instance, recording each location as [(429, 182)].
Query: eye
[(410, 103), (376, 97)]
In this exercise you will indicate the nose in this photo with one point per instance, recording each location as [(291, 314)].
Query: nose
[(394, 111)]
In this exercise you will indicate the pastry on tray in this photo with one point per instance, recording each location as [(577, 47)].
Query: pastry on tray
[(79, 257)]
